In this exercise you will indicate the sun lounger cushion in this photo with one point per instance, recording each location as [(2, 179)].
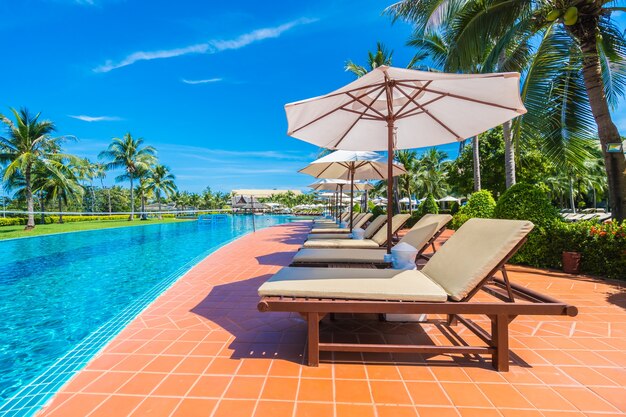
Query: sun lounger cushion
[(364, 217), (472, 252), (424, 229), (341, 243), (397, 222), (364, 284), (329, 236), (340, 256)]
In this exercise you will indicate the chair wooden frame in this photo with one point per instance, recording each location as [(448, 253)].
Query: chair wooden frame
[(500, 314)]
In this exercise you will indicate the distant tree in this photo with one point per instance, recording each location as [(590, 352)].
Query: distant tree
[(28, 142), (131, 155), (161, 181)]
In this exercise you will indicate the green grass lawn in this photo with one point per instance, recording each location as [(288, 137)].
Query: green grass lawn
[(10, 232)]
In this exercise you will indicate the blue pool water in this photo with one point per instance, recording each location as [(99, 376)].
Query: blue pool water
[(59, 291)]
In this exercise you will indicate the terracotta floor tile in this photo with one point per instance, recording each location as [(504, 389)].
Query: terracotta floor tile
[(223, 366), (450, 374), (81, 380), (506, 412), (465, 395), (350, 371), (416, 373), (347, 391), (245, 387), (210, 386), (585, 400), (176, 385), (277, 388), (587, 376), (163, 363), (195, 407), (437, 412), (78, 405), (285, 368), (254, 367), (274, 409), (314, 410), (193, 365), (544, 398), (389, 392), (396, 411), (108, 382), (355, 410), (479, 412), (315, 390), (614, 395), (156, 407), (141, 384), (117, 405), (234, 408), (427, 393), (385, 372), (502, 395)]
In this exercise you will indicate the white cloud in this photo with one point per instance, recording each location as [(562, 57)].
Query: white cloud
[(90, 119), (208, 80), (210, 47)]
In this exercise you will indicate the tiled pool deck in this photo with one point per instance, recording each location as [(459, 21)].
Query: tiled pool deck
[(203, 349)]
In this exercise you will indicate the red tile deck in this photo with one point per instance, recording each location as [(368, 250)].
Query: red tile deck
[(203, 349)]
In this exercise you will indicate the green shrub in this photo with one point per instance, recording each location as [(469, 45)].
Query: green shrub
[(12, 221), (602, 247), (429, 205), (415, 216), (378, 210), (526, 202), (480, 204), (454, 207), (356, 208)]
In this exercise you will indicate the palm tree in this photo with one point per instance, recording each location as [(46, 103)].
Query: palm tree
[(575, 55), (87, 171), (129, 154), (408, 158), (431, 173), (101, 173), (381, 57), (161, 180), (62, 185), (28, 142)]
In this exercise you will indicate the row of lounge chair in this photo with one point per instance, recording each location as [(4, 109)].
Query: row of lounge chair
[(577, 217), (466, 264)]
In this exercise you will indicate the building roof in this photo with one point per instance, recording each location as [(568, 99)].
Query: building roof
[(259, 193)]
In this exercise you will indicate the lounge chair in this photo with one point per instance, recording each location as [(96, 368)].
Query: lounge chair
[(378, 240), (374, 226), (345, 218), (422, 235), (359, 221), (464, 265)]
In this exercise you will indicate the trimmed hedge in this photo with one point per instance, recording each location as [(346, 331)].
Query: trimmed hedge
[(602, 247), (21, 221), (526, 202), (378, 210), (480, 204)]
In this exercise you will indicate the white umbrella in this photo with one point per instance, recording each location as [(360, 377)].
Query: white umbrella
[(338, 185), (448, 198), (392, 108), (352, 165)]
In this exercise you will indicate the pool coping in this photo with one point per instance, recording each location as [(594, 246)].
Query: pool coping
[(48, 378)]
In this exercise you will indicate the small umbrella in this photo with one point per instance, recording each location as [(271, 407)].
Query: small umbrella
[(448, 199), (337, 186), (393, 108), (352, 165)]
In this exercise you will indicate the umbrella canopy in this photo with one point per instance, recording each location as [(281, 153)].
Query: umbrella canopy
[(392, 108), (448, 198), (331, 185), (341, 164)]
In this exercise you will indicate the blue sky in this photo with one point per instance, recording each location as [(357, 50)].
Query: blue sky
[(203, 82)]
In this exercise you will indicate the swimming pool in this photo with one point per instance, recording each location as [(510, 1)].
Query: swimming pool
[(64, 296)]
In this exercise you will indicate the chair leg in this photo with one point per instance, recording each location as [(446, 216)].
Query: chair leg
[(314, 339), (452, 320), (500, 341)]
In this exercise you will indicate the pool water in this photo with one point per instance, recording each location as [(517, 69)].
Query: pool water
[(56, 291)]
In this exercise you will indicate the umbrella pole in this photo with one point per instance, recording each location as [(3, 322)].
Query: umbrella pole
[(390, 126), (340, 202), (351, 197)]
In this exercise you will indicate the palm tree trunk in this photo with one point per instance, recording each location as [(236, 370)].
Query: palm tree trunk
[(158, 195), (132, 198), (614, 163), (93, 197), (60, 209), (43, 208), (509, 155), (30, 203), (408, 193), (571, 195), (476, 159)]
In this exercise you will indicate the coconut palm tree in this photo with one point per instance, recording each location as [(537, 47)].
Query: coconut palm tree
[(28, 143), (161, 180), (431, 173), (62, 186), (131, 155), (86, 171), (406, 182), (101, 173), (577, 62)]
